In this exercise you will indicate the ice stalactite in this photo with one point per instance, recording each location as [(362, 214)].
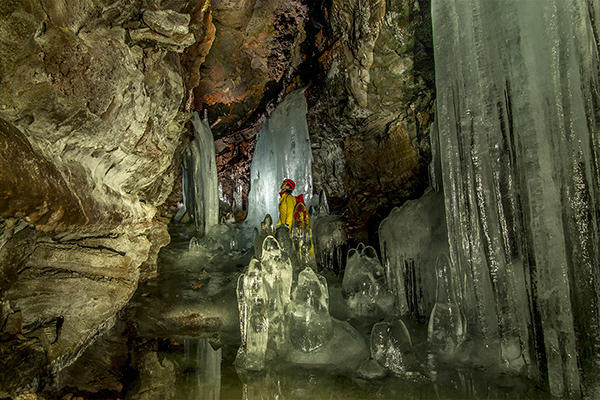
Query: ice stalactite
[(410, 239), (200, 186), (282, 151), (328, 236), (518, 120)]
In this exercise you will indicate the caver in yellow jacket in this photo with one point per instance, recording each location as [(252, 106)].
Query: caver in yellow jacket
[(287, 203)]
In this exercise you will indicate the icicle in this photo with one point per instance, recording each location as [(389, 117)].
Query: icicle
[(201, 191), (282, 151)]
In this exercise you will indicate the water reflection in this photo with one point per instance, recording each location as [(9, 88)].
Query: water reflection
[(202, 371), (208, 376)]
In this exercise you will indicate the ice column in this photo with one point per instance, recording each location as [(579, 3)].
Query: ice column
[(517, 109), (200, 187), (282, 151)]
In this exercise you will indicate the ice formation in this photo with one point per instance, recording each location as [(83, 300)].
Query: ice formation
[(253, 303), (328, 235), (447, 328), (200, 187), (517, 115), (309, 320), (410, 239), (364, 286), (515, 147), (282, 151), (264, 293), (205, 383), (283, 318), (391, 346)]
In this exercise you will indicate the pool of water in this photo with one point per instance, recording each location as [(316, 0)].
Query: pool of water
[(188, 319)]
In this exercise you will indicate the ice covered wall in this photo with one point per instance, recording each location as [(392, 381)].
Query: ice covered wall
[(200, 186), (282, 151), (517, 109)]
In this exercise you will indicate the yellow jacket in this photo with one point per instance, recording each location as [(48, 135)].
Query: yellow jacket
[(287, 204)]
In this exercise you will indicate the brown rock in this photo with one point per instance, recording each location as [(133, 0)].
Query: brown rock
[(14, 323)]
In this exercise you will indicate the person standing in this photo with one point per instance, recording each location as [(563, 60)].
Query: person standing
[(287, 203)]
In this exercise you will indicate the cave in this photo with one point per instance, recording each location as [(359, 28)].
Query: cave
[(447, 152)]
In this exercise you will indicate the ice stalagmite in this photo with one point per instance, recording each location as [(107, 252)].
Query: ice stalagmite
[(391, 346), (254, 318), (200, 187), (447, 327), (278, 276), (263, 297), (309, 320), (282, 151), (364, 286), (518, 121), (328, 236)]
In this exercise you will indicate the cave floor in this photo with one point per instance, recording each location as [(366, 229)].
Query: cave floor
[(188, 318)]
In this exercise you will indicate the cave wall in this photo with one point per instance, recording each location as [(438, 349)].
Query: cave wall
[(91, 133), (369, 119)]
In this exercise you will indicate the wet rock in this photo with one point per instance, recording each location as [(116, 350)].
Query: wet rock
[(28, 396), (14, 324), (254, 45), (176, 43), (167, 22), (369, 118), (104, 133), (68, 289), (23, 362), (32, 187), (99, 367), (87, 149), (158, 236), (201, 25), (157, 378), (198, 322)]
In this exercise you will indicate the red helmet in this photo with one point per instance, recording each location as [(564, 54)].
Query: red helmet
[(290, 182)]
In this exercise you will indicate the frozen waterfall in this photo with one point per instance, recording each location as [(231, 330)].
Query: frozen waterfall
[(200, 187), (519, 126), (282, 151)]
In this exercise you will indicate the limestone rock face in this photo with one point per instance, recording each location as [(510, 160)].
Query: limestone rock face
[(369, 118), (99, 123), (66, 290), (91, 133)]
